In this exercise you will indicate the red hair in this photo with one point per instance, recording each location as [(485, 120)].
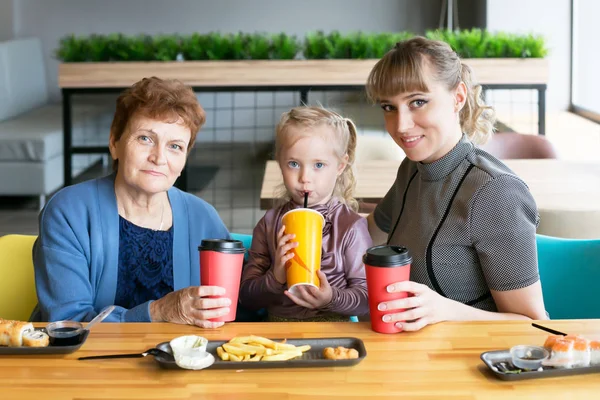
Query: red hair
[(167, 100)]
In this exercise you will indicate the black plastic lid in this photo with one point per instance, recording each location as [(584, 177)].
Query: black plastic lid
[(387, 256), (223, 246)]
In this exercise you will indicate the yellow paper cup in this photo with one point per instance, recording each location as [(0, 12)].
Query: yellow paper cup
[(307, 225)]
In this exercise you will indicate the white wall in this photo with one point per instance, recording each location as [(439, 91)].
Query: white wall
[(550, 18), (586, 63), (52, 19), (6, 20)]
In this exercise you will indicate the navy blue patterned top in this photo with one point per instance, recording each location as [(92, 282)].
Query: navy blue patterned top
[(145, 264)]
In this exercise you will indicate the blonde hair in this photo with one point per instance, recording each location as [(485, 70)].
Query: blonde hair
[(344, 138), (401, 70)]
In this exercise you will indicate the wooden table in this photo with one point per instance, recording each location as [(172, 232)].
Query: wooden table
[(441, 361), (555, 184), (559, 187)]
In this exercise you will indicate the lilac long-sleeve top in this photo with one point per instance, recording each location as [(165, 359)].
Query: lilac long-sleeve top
[(345, 240)]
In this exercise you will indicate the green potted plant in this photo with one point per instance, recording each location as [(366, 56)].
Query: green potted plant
[(242, 59)]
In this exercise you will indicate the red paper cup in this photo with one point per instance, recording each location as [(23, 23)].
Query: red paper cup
[(221, 264), (385, 265)]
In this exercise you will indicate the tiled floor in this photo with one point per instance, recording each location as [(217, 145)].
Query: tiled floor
[(18, 215)]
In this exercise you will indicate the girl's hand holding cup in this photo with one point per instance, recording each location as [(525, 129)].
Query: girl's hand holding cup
[(311, 297), (283, 254)]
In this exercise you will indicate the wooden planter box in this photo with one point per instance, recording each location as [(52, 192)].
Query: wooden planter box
[(497, 71)]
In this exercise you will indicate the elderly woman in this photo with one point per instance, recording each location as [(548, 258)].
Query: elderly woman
[(130, 239)]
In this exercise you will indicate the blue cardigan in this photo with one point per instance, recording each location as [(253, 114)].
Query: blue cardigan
[(76, 254)]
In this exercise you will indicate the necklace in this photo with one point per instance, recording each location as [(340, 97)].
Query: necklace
[(162, 216)]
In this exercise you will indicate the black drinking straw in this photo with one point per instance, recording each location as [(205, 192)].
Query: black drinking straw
[(549, 330), (305, 199)]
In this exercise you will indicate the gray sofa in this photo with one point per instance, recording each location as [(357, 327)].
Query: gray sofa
[(31, 140)]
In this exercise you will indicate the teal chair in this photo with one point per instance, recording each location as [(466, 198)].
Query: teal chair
[(243, 314), (570, 274), (245, 239)]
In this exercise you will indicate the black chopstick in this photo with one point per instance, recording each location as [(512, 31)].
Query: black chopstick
[(135, 355), (552, 331)]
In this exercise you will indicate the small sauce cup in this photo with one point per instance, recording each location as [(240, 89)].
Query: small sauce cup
[(72, 333), (528, 357), (189, 345), (65, 333)]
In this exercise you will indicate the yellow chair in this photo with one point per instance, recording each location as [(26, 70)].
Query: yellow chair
[(17, 285)]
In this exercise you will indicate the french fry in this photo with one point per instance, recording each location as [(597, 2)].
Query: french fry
[(304, 348), (251, 349), (239, 339), (232, 349), (284, 346), (257, 348), (259, 340), (288, 351), (223, 355), (265, 350), (248, 339), (282, 356)]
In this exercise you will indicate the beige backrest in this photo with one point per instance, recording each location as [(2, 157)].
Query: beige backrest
[(372, 146)]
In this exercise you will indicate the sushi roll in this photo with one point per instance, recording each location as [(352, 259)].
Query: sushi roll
[(561, 355), (11, 332), (595, 352), (572, 337), (550, 341), (35, 339), (581, 352), (17, 330), (5, 332)]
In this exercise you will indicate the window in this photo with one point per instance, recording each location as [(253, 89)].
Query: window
[(585, 72)]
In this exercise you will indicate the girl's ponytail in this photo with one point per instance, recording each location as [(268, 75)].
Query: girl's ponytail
[(346, 182)]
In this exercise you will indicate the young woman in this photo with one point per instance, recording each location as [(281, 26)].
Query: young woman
[(467, 220)]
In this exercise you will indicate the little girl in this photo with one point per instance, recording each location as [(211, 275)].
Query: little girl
[(315, 149)]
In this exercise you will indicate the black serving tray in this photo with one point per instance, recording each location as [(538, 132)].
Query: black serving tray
[(50, 349), (310, 359), (492, 358)]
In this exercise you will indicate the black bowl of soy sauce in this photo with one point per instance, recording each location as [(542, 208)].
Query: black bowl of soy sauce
[(65, 333)]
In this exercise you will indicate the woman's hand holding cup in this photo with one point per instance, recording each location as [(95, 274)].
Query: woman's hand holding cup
[(422, 307), (192, 306)]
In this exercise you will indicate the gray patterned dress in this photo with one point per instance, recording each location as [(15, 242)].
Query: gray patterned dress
[(469, 223)]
